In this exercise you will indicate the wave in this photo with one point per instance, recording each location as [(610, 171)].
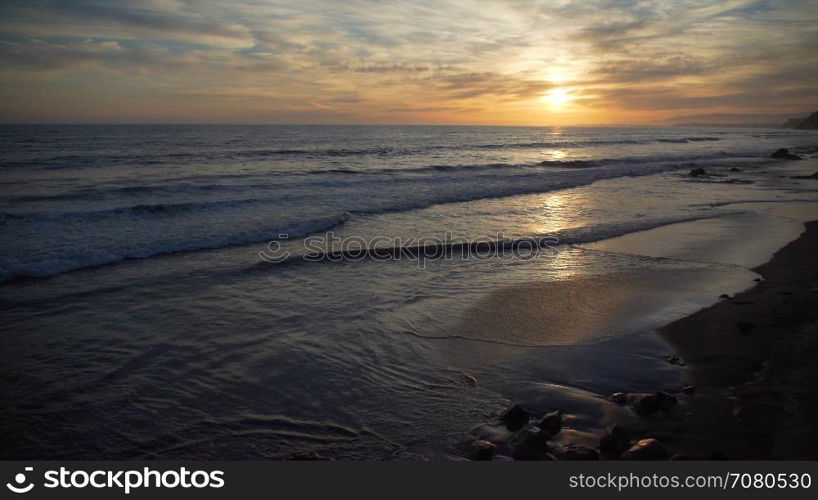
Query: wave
[(256, 194), (434, 248), (140, 210), (191, 188), (147, 159), (126, 248), (273, 180), (60, 263), (684, 140)]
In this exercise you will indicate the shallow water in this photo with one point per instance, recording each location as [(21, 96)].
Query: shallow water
[(208, 353)]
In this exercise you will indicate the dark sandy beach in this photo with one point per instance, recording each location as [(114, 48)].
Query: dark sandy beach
[(752, 359)]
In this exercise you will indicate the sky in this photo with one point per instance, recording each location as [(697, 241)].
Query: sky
[(511, 62)]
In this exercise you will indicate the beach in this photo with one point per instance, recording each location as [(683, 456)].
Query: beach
[(752, 358), (158, 302), (748, 382)]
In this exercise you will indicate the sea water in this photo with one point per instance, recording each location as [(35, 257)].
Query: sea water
[(142, 319)]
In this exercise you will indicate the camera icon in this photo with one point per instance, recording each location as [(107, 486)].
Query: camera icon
[(20, 479)]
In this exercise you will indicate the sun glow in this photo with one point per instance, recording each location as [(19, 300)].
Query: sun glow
[(558, 97)]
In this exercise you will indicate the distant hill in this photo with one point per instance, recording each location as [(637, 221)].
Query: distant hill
[(808, 123), (719, 125), (730, 120), (793, 122)]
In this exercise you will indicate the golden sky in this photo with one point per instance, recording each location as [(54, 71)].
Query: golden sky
[(562, 62)]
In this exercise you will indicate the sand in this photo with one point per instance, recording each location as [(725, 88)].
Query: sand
[(751, 357), (753, 360)]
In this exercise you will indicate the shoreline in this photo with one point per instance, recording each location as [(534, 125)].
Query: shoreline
[(752, 360), (746, 391)]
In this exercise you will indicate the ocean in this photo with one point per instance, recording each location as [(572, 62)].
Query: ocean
[(157, 301)]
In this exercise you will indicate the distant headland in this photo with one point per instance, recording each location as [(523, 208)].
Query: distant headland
[(806, 123), (800, 122)]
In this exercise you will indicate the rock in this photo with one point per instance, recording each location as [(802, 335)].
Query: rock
[(469, 380), (744, 327), (735, 169), (515, 418), (724, 296), (648, 404), (675, 360), (577, 452), (696, 172), (813, 176), (689, 390), (784, 154), (482, 450), (614, 441), (665, 400), (529, 445), (619, 398), (646, 449), (661, 436), (552, 423)]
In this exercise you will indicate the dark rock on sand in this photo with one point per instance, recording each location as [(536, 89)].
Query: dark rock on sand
[(661, 435), (689, 390), (482, 450), (576, 452), (619, 398), (675, 360), (529, 445), (784, 154), (648, 404), (614, 442), (813, 176), (665, 400), (735, 169), (646, 449), (515, 418), (552, 423), (696, 172)]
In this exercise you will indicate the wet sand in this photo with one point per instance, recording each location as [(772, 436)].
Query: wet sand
[(750, 357), (753, 360)]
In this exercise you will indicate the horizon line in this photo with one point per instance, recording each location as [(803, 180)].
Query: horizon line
[(238, 124)]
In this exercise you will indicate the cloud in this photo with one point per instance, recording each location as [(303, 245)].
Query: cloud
[(370, 59), (507, 87), (124, 20)]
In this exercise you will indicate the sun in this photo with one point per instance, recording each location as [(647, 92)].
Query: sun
[(558, 97)]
